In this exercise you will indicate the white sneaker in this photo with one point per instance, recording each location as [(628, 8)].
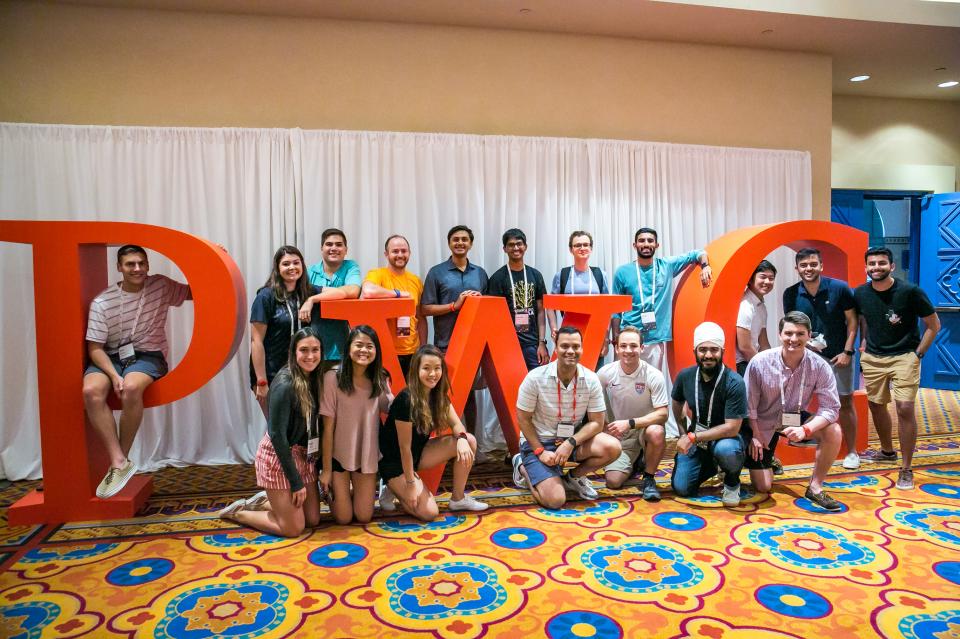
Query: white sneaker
[(388, 503), (731, 496), (256, 502), (579, 485), (851, 461), (115, 480), (518, 479), (467, 503), (232, 509)]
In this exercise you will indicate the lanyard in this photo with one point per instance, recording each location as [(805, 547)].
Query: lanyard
[(653, 283), (573, 281), (696, 396), (560, 400), (294, 315), (136, 318), (513, 284), (803, 379)]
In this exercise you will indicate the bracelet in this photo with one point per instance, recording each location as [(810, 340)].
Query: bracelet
[(397, 291), (461, 435), (261, 382), (453, 307), (414, 480), (806, 431), (692, 437), (633, 423), (538, 451)]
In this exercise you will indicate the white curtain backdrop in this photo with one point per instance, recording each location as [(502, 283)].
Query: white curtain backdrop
[(255, 189)]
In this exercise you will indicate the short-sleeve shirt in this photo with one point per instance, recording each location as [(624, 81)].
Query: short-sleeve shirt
[(729, 402), (538, 395), (405, 344), (892, 317), (522, 298), (443, 285), (117, 316), (655, 295), (752, 316), (356, 422), (631, 395), (826, 310), (390, 444), (580, 283), (333, 333), (282, 322), (767, 373)]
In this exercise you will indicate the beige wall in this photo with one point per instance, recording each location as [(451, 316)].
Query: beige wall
[(882, 143), (61, 64)]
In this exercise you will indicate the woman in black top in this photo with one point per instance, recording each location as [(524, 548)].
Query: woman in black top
[(411, 439), (273, 318), (286, 457)]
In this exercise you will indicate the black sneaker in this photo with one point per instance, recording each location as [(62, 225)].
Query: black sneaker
[(823, 500), (777, 466), (648, 486), (804, 443)]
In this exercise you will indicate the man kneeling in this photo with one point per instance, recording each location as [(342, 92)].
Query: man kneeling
[(551, 403), (780, 384), (718, 403)]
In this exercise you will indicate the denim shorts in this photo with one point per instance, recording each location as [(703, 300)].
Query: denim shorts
[(536, 469), (150, 363)]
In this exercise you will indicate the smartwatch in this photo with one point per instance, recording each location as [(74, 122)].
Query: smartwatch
[(633, 423)]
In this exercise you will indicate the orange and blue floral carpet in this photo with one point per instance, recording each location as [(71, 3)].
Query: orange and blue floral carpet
[(888, 565)]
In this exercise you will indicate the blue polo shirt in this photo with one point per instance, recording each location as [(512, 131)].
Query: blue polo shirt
[(657, 298), (333, 333), (443, 285), (825, 309)]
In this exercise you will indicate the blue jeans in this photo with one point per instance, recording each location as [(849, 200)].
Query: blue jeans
[(700, 464)]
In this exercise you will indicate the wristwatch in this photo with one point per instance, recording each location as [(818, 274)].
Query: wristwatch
[(918, 354), (848, 353), (633, 423)]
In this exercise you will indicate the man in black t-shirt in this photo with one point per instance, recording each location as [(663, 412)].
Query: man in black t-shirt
[(523, 288), (891, 352), (717, 399)]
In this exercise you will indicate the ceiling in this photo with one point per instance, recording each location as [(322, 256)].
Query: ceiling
[(906, 46)]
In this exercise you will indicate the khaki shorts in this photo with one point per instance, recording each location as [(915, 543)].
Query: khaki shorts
[(901, 372), (632, 448)]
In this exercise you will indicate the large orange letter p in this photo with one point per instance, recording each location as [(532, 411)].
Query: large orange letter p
[(72, 257)]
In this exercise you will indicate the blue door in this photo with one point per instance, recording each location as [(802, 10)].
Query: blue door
[(940, 279)]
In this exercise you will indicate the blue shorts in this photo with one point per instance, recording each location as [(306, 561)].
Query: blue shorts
[(536, 469), (150, 363)]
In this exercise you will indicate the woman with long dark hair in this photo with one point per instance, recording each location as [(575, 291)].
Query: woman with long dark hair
[(423, 431), (354, 395), (274, 318), (285, 462)]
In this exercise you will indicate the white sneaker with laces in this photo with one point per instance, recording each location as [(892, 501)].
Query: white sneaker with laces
[(256, 502), (467, 503), (518, 479), (851, 461), (115, 480), (579, 485), (731, 496), (388, 503), (232, 509)]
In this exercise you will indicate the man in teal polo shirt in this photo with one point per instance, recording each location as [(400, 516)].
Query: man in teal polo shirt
[(339, 278)]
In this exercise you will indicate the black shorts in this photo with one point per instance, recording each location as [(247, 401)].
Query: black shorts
[(766, 460)]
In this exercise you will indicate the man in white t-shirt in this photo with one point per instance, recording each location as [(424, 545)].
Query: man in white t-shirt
[(127, 345), (551, 406), (637, 403), (752, 315)]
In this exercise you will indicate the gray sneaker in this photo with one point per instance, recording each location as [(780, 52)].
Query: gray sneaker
[(648, 486), (115, 480), (731, 496), (905, 479), (257, 502), (388, 501), (880, 456), (518, 479), (231, 510), (579, 485)]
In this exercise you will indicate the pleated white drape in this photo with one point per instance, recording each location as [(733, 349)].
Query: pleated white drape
[(254, 189)]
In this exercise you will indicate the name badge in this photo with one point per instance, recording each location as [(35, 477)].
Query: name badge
[(403, 326), (791, 419), (313, 446), (126, 352), (522, 321), (649, 320), (564, 430), (699, 429)]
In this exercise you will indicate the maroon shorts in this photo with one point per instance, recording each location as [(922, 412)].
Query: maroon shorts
[(270, 473)]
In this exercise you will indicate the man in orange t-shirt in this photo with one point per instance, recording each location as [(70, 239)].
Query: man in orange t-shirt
[(395, 281)]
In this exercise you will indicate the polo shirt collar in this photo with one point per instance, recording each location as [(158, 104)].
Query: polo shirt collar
[(552, 370), (752, 297), (453, 267), (823, 287)]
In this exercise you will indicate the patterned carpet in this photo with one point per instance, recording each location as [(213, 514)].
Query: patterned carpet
[(776, 566)]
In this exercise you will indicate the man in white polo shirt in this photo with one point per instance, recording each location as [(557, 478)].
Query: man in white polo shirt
[(636, 410), (127, 346), (551, 405)]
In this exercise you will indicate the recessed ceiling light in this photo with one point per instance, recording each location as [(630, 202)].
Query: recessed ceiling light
[(947, 85), (859, 78)]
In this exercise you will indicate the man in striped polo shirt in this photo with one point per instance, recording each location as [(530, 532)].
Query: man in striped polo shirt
[(127, 345)]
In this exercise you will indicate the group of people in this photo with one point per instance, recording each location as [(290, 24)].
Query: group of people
[(322, 387)]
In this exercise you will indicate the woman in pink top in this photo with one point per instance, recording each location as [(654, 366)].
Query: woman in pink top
[(354, 396)]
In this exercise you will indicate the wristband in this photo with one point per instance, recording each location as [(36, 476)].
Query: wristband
[(453, 307), (461, 436), (848, 353), (692, 437), (633, 423), (572, 441), (806, 431), (397, 291), (261, 382), (538, 451)]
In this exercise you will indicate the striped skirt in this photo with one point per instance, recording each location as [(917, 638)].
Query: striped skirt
[(270, 472)]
